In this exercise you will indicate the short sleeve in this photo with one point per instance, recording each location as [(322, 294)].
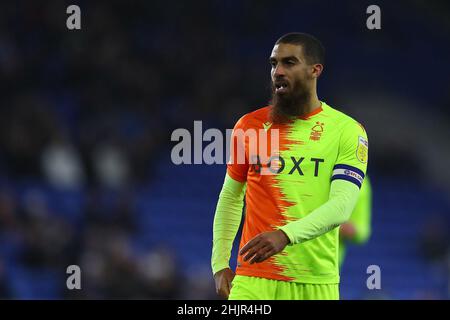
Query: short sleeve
[(351, 162), (237, 166)]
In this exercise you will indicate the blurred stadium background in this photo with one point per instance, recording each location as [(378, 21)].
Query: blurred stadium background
[(86, 118)]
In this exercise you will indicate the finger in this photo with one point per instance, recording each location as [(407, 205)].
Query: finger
[(253, 250), (257, 253), (228, 289), (258, 257), (219, 289), (264, 254), (249, 244), (224, 291), (222, 288)]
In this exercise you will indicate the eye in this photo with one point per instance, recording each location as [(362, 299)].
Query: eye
[(273, 64)]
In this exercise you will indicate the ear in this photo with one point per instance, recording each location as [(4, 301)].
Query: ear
[(317, 70)]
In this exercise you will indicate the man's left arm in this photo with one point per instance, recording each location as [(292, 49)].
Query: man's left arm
[(358, 228), (334, 212)]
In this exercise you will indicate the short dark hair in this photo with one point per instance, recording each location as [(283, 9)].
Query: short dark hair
[(312, 48)]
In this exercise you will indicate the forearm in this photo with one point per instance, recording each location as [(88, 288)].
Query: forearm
[(362, 230), (362, 213), (227, 219), (334, 212)]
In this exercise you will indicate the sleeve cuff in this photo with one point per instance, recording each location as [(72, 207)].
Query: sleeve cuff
[(220, 266), (289, 234)]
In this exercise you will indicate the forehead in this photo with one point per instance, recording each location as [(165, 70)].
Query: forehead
[(283, 50)]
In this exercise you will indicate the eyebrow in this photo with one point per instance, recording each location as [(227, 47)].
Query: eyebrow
[(284, 59)]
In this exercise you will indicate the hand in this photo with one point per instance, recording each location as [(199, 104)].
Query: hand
[(223, 280), (347, 231), (264, 245)]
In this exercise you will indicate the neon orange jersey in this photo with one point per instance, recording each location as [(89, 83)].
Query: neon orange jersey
[(313, 150)]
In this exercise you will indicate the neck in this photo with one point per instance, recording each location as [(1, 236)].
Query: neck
[(310, 105)]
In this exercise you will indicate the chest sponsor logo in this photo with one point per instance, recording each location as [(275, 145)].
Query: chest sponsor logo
[(277, 164)]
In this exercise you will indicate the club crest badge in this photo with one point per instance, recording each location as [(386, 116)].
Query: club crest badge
[(316, 131)]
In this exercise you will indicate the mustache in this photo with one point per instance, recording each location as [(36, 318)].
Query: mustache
[(278, 82), (287, 106)]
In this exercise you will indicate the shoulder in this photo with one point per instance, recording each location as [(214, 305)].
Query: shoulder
[(258, 116), (343, 120)]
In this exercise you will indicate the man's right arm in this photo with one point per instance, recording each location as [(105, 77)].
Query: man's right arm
[(229, 211), (226, 224), (227, 219)]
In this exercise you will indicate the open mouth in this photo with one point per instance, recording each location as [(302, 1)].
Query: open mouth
[(281, 86)]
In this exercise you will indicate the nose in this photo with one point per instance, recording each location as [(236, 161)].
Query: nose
[(279, 71)]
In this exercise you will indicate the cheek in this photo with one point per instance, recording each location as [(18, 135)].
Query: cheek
[(272, 73), (303, 74), (298, 77)]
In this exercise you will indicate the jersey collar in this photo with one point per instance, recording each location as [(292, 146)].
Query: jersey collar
[(312, 113)]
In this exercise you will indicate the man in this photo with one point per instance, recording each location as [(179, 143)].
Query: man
[(290, 241), (357, 229)]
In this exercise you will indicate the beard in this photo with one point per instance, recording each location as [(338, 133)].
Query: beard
[(287, 106)]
